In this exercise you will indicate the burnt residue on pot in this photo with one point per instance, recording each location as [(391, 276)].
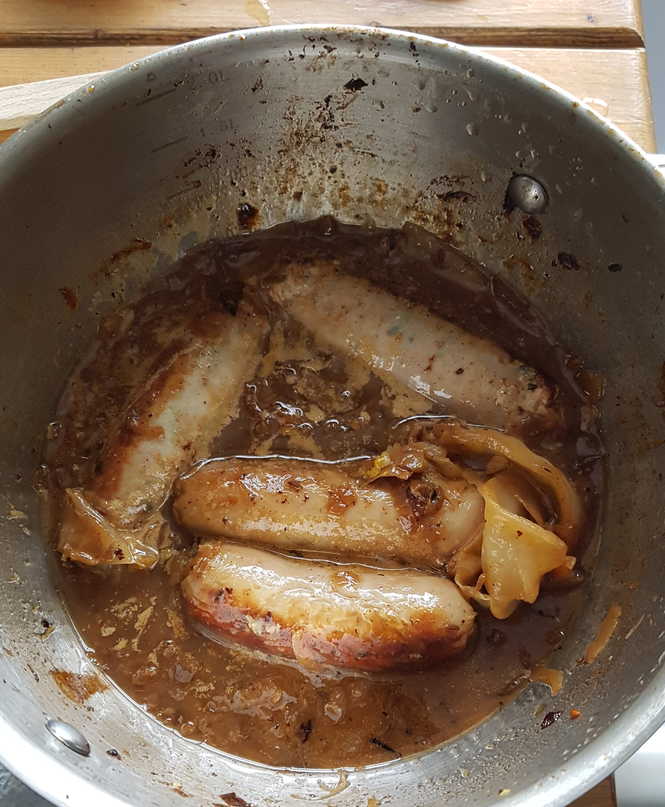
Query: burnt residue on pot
[(247, 215), (70, 298), (47, 628), (457, 196), (78, 687), (232, 800), (549, 719), (533, 227), (355, 84), (660, 386), (203, 158), (567, 261), (136, 245), (180, 791)]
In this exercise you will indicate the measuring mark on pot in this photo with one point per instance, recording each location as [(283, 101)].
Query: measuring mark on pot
[(159, 95), (170, 143), (187, 189), (69, 736)]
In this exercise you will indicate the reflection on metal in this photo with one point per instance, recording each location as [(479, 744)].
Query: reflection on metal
[(69, 736), (527, 194)]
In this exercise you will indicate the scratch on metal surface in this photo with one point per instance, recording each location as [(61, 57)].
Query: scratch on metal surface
[(191, 187), (170, 143)]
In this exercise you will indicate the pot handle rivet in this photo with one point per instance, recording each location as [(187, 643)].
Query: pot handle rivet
[(527, 193), (69, 736)]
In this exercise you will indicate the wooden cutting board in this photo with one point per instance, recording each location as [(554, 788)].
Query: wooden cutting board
[(572, 23), (613, 81)]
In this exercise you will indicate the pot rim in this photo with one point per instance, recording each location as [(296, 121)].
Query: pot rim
[(53, 778)]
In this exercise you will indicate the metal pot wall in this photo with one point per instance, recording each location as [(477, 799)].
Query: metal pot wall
[(110, 185)]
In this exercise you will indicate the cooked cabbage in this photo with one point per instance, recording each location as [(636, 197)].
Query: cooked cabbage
[(532, 513), (463, 438), (516, 552)]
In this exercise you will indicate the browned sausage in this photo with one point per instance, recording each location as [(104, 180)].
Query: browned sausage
[(297, 504), (323, 613), (170, 423), (406, 345)]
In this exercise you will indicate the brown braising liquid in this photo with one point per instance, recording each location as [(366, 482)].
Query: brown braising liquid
[(306, 402)]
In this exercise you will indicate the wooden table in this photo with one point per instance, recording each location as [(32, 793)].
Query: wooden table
[(593, 48)]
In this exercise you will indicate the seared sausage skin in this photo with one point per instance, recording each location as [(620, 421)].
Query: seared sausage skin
[(168, 424), (297, 504), (320, 613), (405, 344)]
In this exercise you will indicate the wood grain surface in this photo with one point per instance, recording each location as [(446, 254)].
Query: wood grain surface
[(602, 795), (578, 23), (21, 103), (615, 80)]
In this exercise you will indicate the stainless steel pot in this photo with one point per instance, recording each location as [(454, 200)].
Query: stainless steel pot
[(164, 151)]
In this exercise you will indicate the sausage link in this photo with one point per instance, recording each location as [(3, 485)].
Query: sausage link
[(321, 613), (168, 425), (405, 344), (298, 504)]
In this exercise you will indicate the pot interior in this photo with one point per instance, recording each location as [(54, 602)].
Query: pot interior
[(109, 187)]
